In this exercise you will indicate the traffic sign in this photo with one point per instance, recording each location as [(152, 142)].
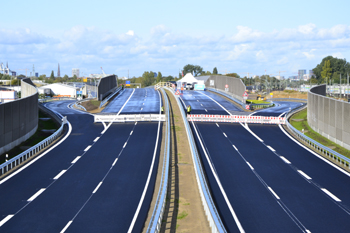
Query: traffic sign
[(245, 94), (247, 107), (226, 86), (177, 92)]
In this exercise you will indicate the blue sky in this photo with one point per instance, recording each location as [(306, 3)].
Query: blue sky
[(234, 36)]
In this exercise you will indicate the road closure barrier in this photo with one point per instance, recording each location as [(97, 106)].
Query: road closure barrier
[(237, 119), (128, 118)]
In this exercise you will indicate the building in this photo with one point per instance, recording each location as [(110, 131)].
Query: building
[(37, 74), (301, 74), (59, 89), (312, 74), (75, 71)]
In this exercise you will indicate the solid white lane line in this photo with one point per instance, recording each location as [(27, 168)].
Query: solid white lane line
[(87, 148), (8, 217), (131, 132), (76, 159), (314, 153), (217, 124), (331, 195), (228, 203), (273, 193), (96, 139), (66, 227), (147, 183), (59, 174), (235, 147), (285, 160), (271, 148), (38, 157), (303, 174), (251, 167), (125, 144), (225, 135), (249, 130), (115, 161), (36, 194), (98, 186)]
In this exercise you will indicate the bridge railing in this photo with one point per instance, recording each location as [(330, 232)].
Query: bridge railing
[(207, 201), (24, 156), (335, 156), (158, 211), (163, 84)]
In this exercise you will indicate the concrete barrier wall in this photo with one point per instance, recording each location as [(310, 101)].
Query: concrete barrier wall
[(19, 118), (236, 87), (329, 117), (106, 86)]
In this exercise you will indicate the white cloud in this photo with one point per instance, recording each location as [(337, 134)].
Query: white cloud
[(246, 50)]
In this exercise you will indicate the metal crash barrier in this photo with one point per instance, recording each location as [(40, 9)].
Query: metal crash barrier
[(237, 119), (128, 118)]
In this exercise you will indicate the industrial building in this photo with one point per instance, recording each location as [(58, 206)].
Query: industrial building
[(59, 89)]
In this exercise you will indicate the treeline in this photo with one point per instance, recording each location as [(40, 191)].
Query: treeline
[(331, 69)]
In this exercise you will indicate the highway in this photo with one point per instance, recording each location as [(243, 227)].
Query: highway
[(97, 180), (261, 180)]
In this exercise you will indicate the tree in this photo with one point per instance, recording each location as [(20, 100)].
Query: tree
[(52, 76), (195, 70), (215, 70), (159, 77), (337, 65), (326, 73), (235, 75), (147, 78)]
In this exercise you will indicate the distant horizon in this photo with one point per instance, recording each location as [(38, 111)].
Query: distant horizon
[(131, 37)]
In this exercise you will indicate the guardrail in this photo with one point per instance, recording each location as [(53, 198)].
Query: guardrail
[(157, 215), (341, 159), (207, 201), (22, 157), (103, 102), (128, 117), (78, 105)]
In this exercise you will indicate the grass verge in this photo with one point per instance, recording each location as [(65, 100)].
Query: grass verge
[(299, 121)]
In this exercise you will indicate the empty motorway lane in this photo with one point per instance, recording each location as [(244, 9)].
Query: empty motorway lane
[(263, 181), (91, 182)]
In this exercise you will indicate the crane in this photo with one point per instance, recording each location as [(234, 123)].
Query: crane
[(104, 75)]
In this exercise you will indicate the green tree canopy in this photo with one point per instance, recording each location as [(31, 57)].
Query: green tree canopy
[(337, 65), (159, 77), (326, 73), (147, 78), (235, 75), (193, 69), (215, 70)]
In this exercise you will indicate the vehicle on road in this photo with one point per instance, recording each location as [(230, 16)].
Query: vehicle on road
[(189, 86)]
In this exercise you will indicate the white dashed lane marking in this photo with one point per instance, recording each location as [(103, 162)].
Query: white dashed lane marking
[(36, 194), (59, 174), (76, 159)]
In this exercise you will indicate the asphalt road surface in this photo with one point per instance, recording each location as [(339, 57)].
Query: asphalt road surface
[(263, 181), (97, 180)]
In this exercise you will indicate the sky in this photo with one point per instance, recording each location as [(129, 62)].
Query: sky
[(130, 37)]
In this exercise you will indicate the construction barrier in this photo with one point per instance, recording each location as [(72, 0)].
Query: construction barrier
[(237, 119), (128, 118)]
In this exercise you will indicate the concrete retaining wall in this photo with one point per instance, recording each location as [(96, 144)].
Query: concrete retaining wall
[(329, 117), (19, 118), (236, 87), (106, 86)]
